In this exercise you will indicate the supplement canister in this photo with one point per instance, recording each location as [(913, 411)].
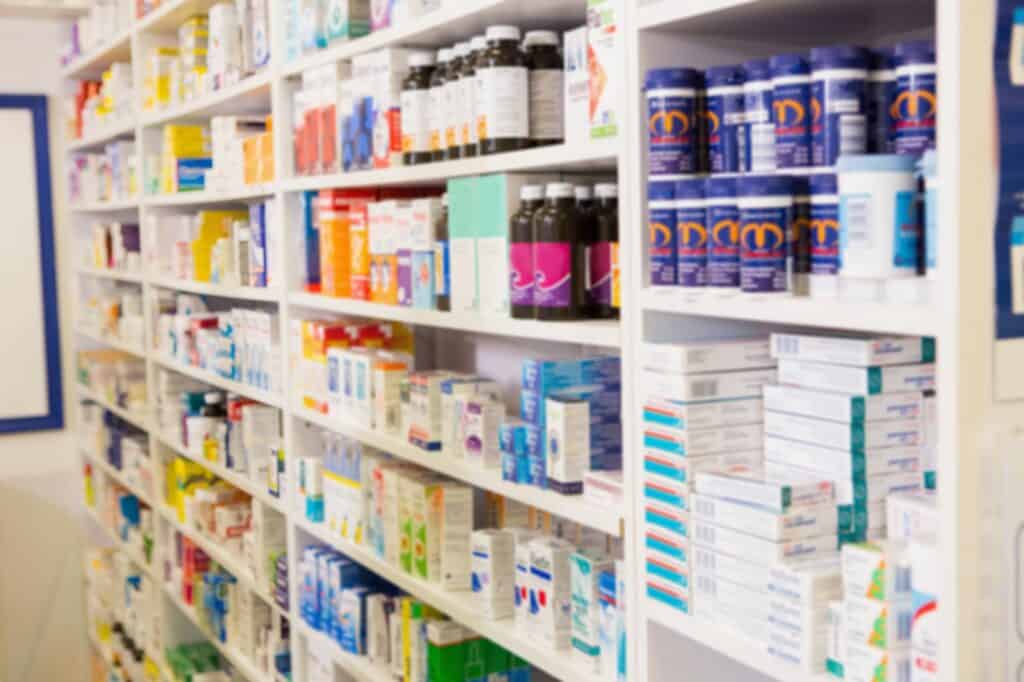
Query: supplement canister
[(758, 127), (914, 104), (661, 220), (725, 117), (766, 207), (839, 103), (691, 233), (824, 235), (722, 219), (671, 121), (880, 86), (791, 104), (800, 232)]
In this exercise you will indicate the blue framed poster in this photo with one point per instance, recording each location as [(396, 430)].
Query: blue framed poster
[(30, 362)]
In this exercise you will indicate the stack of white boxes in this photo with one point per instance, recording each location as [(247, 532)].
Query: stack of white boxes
[(227, 156), (850, 410), (702, 412)]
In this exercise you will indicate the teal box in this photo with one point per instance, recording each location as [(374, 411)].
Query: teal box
[(462, 233)]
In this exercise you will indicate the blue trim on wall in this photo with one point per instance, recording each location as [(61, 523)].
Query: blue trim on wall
[(54, 418)]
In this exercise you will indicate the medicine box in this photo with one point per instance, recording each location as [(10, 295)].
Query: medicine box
[(707, 356), (605, 50), (778, 493), (546, 376), (877, 570), (913, 516), (843, 407), (806, 653), (702, 442), (702, 415), (462, 232), (425, 417), (853, 437), (667, 518), (666, 491), (577, 85), (668, 594), (860, 380), (493, 578), (759, 550), (482, 417), (568, 444), (451, 389), (842, 464), (551, 591), (447, 525), (795, 524), (522, 538), (586, 569), (892, 350), (868, 664), (705, 387), (880, 624), (800, 619)]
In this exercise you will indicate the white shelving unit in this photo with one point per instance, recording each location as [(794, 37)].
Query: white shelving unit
[(655, 33)]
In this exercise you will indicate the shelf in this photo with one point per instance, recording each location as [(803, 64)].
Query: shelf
[(456, 21), (728, 643), (113, 343), (591, 157), (356, 667), (235, 478), (249, 96), (135, 557), (224, 558), (129, 416), (266, 294), (231, 654), (207, 198), (169, 15), (105, 206), (572, 507), (117, 475), (208, 377), (118, 275), (586, 332), (95, 61), (461, 607), (42, 10), (97, 140), (884, 318)]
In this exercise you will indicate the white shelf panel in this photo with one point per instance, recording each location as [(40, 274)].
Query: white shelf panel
[(597, 156), (42, 10), (170, 15), (117, 475), (238, 661), (227, 560), (885, 318), (208, 198), (587, 332), (208, 377), (728, 643), (117, 275), (571, 507), (235, 478), (249, 96), (93, 63), (119, 205), (454, 22), (98, 140), (139, 420), (221, 290), (113, 343), (135, 557), (358, 667), (463, 609)]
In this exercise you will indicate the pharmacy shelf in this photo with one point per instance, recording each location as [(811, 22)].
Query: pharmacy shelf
[(571, 507), (95, 61), (130, 416), (102, 650), (235, 657), (586, 332), (136, 557), (168, 16), (42, 10), (115, 206), (231, 563), (453, 22), (728, 643), (220, 290), (461, 607), (117, 275), (235, 478), (358, 668), (109, 133), (120, 345), (208, 198), (590, 157), (883, 318), (208, 377), (116, 474), (251, 95)]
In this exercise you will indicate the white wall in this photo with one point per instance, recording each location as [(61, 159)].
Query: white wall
[(42, 529)]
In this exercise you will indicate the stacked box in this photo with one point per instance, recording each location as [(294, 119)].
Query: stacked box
[(702, 412), (583, 433)]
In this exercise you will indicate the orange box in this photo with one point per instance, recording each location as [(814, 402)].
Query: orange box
[(251, 159), (384, 278), (267, 154), (335, 243)]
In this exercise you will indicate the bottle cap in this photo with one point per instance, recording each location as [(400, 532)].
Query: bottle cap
[(496, 33), (478, 43), (582, 192), (789, 65), (444, 55), (558, 190), (418, 59), (531, 193), (671, 78), (606, 190), (461, 50), (540, 38)]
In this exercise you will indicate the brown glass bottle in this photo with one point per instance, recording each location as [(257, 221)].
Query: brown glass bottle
[(558, 255), (442, 260), (520, 253), (470, 95), (452, 106), (602, 243), (547, 74), (437, 107), (505, 94), (416, 109)]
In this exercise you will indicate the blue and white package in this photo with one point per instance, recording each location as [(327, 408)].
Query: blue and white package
[(824, 234), (766, 205), (352, 620), (838, 103), (914, 104), (725, 117), (880, 87), (758, 125), (791, 103), (545, 376), (723, 222), (691, 233), (604, 402), (661, 221), (259, 264), (928, 167), (537, 470), (671, 121)]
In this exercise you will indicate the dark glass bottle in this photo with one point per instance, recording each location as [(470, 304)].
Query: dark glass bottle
[(416, 109), (438, 111), (602, 244), (452, 104), (213, 406), (520, 253), (558, 256), (442, 260), (547, 74), (505, 93), (471, 95)]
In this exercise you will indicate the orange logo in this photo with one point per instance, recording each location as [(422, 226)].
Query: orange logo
[(664, 123), (788, 112), (692, 235), (762, 236), (729, 229), (824, 232), (661, 235), (712, 121), (815, 109), (800, 226), (916, 105)]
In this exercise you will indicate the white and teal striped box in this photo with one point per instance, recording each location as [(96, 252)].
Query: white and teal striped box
[(855, 437), (843, 407), (702, 442), (842, 464), (794, 524), (888, 350), (857, 380), (702, 414)]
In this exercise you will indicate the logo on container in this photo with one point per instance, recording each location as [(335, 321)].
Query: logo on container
[(824, 236), (661, 237), (725, 236), (692, 236), (790, 116), (663, 125), (913, 107), (762, 236)]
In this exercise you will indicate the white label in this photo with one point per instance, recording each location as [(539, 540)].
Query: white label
[(506, 105), (467, 110), (859, 212), (416, 120), (546, 108), (762, 147), (452, 113), (853, 134), (436, 116)]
